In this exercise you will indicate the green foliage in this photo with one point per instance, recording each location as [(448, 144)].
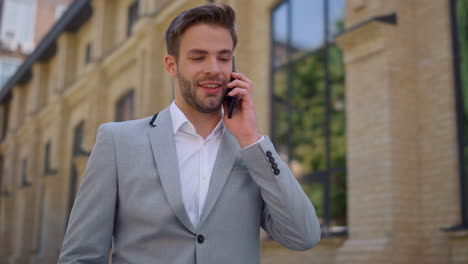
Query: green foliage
[(308, 124)]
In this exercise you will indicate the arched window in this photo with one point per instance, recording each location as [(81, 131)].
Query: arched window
[(308, 102)]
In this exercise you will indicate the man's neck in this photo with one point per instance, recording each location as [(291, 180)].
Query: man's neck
[(204, 123)]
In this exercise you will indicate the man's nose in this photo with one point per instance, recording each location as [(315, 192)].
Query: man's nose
[(212, 67)]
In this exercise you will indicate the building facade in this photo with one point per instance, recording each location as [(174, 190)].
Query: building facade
[(366, 100), (23, 23)]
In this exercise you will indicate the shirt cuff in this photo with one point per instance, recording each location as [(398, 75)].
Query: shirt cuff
[(260, 140)]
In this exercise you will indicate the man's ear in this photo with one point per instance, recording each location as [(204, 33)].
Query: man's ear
[(171, 65)]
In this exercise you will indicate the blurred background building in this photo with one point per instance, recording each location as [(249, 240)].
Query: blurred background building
[(23, 23), (367, 100)]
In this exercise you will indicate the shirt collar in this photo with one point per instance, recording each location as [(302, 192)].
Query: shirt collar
[(181, 123)]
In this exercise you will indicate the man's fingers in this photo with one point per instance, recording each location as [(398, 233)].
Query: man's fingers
[(240, 92), (240, 84), (242, 77)]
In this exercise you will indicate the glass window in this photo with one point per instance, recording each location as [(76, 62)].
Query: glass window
[(88, 53), (47, 152), (124, 107), (78, 137), (308, 102), (1, 176), (18, 21), (461, 55), (25, 181), (6, 114), (132, 16), (7, 69)]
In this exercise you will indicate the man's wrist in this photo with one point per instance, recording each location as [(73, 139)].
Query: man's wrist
[(248, 141)]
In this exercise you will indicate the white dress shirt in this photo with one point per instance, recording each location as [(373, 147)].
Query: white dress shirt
[(196, 158)]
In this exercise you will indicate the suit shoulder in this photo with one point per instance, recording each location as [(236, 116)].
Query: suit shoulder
[(130, 126)]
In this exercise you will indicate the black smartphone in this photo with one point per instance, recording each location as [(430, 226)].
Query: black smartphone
[(232, 100)]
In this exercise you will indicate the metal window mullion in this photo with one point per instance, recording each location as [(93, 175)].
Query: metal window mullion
[(289, 79), (459, 113), (326, 186)]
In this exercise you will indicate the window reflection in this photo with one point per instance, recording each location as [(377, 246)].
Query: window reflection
[(308, 108)]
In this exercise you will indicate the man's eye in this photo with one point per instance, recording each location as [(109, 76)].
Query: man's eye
[(224, 59), (197, 58)]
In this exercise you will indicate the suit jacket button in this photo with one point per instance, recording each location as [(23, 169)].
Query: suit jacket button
[(274, 165), (271, 159), (200, 239), (268, 153), (276, 171)]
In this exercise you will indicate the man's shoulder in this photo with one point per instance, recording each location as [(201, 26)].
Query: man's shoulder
[(125, 127)]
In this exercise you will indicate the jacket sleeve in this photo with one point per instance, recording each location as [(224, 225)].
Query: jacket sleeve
[(288, 215), (88, 238)]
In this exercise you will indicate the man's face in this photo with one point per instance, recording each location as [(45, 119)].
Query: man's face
[(203, 67)]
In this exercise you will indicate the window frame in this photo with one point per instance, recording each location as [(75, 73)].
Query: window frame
[(121, 103), (132, 16), (459, 104), (322, 177)]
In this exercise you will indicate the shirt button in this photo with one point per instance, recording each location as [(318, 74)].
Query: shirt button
[(271, 159), (200, 239), (268, 153), (276, 171), (274, 165)]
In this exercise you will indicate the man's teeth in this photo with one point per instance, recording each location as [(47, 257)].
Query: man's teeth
[(210, 85)]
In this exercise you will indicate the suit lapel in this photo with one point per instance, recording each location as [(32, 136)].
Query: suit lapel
[(164, 150), (225, 159)]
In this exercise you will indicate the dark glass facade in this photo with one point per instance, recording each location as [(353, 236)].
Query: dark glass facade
[(460, 46), (308, 102)]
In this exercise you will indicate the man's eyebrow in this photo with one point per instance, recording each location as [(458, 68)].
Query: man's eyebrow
[(225, 51), (197, 51), (204, 52)]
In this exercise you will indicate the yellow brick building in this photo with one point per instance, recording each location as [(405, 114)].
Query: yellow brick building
[(384, 167)]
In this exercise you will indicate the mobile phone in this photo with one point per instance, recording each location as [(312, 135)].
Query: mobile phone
[(232, 100)]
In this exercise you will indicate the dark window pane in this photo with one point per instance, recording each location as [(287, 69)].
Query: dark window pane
[(308, 120), (337, 109), (24, 173), (336, 16), (462, 24), (2, 189), (125, 107), (78, 139), (338, 198), (308, 81), (465, 174), (308, 26), (132, 16), (315, 194), (280, 88), (88, 53), (280, 130), (46, 157), (462, 35), (6, 113), (280, 34), (308, 117)]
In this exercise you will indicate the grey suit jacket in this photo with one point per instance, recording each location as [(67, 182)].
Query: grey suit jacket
[(130, 202)]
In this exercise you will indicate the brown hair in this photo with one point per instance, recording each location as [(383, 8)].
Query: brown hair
[(212, 14)]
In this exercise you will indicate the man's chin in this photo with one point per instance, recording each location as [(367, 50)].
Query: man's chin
[(210, 105)]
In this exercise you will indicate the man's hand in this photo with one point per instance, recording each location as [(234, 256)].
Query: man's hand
[(243, 124)]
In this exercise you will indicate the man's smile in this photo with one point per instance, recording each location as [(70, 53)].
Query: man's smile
[(211, 87)]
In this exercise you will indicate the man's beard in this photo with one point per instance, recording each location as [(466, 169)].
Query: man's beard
[(210, 104)]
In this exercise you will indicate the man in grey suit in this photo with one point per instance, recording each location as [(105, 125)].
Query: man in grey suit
[(189, 185)]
